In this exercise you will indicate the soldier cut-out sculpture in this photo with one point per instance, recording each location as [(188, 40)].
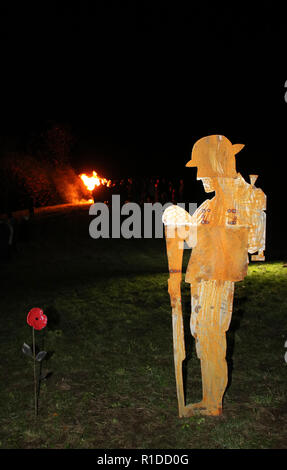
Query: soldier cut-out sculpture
[(221, 233)]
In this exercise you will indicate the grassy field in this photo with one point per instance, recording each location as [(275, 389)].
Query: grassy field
[(111, 379)]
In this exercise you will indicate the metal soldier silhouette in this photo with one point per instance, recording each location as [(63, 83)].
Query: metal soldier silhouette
[(221, 232)]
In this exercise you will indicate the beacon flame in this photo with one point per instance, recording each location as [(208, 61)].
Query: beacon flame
[(94, 181)]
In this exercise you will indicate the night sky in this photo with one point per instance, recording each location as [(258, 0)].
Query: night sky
[(140, 84)]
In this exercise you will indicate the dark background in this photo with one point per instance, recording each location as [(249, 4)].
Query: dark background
[(140, 83)]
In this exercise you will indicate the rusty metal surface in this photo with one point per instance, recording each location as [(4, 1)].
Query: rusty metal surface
[(228, 227)]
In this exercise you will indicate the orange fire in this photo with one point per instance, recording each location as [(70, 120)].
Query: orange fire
[(91, 182)]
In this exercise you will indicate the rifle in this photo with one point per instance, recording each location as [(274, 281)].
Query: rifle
[(180, 227), (174, 246)]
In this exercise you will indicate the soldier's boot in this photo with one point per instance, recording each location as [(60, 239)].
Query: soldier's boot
[(213, 387), (214, 380)]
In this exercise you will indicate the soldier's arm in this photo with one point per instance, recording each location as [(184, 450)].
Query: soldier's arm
[(177, 222), (174, 245)]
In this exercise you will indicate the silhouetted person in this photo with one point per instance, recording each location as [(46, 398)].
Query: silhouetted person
[(181, 196), (157, 190), (5, 234), (163, 191), (151, 190)]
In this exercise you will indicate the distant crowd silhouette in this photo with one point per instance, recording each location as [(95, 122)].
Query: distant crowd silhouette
[(143, 189)]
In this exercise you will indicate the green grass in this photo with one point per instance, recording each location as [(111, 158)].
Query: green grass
[(109, 336)]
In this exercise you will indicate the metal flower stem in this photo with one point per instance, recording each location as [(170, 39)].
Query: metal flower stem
[(35, 374)]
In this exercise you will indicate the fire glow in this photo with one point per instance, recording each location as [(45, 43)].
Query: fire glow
[(93, 182)]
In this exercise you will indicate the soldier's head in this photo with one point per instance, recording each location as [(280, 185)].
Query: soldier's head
[(214, 156)]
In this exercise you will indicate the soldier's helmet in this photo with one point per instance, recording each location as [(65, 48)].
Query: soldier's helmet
[(214, 156)]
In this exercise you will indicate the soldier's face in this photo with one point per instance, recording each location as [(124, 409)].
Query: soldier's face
[(208, 184)]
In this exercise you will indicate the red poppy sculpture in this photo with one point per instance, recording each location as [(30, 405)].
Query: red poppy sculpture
[(38, 321)]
